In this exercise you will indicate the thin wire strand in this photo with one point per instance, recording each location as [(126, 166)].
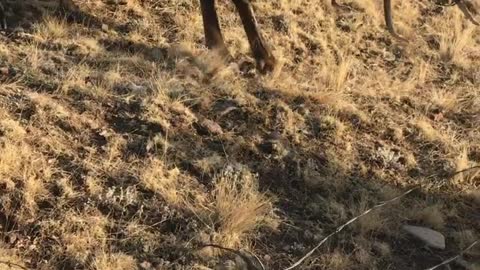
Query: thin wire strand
[(340, 228), (454, 257)]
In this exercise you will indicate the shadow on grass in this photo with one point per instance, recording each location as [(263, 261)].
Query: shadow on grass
[(25, 13)]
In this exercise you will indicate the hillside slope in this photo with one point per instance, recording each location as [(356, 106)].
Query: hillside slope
[(125, 145)]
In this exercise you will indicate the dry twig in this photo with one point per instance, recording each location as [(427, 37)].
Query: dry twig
[(10, 264)]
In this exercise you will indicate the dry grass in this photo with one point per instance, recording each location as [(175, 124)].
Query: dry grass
[(115, 261), (432, 216), (238, 208), (165, 183), (126, 144), (51, 29)]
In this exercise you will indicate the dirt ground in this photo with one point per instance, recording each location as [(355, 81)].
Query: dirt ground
[(125, 144)]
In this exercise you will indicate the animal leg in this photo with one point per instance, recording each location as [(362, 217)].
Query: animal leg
[(387, 7), (265, 60), (3, 18), (213, 34)]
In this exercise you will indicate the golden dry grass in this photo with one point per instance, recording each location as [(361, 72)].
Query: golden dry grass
[(124, 144)]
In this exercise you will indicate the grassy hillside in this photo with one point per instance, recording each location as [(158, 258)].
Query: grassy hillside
[(125, 145)]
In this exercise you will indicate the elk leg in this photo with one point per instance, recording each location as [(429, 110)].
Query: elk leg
[(265, 60), (213, 34), (387, 8), (3, 18)]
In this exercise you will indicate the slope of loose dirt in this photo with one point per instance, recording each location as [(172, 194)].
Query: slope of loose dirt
[(122, 148)]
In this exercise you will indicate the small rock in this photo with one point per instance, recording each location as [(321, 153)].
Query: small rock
[(431, 238), (139, 90), (146, 265), (4, 71), (224, 107), (388, 56), (212, 127), (438, 117), (12, 238), (227, 110), (105, 27)]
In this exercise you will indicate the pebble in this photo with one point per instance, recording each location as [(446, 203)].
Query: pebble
[(212, 127), (430, 237)]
